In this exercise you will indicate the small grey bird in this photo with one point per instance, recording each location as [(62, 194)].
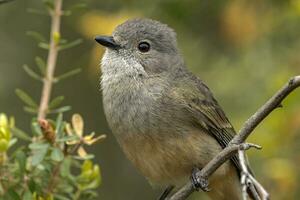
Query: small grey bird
[(166, 119)]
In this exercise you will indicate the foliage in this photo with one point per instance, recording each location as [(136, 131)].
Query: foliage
[(50, 163), (244, 51), (44, 168)]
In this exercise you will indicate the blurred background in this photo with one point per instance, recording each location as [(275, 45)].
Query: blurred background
[(244, 50)]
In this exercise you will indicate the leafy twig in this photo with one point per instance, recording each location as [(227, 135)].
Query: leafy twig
[(52, 57)]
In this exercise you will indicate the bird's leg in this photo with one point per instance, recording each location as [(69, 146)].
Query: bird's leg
[(166, 192), (199, 182)]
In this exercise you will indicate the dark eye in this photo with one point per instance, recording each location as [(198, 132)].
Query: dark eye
[(144, 47)]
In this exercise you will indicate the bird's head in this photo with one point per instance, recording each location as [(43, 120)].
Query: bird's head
[(140, 46)]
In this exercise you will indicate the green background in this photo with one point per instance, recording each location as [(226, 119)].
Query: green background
[(243, 50)]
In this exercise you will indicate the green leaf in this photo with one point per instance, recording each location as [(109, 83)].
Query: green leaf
[(34, 185), (28, 195), (30, 110), (91, 185), (65, 168), (68, 138), (74, 8), (70, 44), (32, 74), (67, 75), (12, 142), (56, 102), (11, 194), (35, 127), (60, 197), (39, 152), (20, 134), (61, 110), (49, 4), (38, 146), (21, 159), (41, 65), (67, 13), (37, 12), (79, 6), (37, 36), (57, 155), (59, 125), (63, 41), (91, 194), (44, 45), (26, 98)]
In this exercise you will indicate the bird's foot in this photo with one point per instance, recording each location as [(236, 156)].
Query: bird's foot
[(199, 182)]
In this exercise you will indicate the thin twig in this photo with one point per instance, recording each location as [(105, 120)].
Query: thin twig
[(211, 167), (51, 60), (245, 131), (248, 181), (223, 156), (49, 76)]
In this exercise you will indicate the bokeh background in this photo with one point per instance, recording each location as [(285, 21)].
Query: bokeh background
[(244, 50)]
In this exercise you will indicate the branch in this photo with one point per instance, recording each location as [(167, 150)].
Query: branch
[(52, 57), (211, 167), (237, 141), (248, 181)]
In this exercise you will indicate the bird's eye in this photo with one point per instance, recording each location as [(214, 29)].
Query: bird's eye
[(144, 47)]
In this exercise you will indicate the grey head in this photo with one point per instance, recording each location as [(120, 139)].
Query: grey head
[(142, 47)]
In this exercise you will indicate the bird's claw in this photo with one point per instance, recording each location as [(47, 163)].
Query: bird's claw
[(199, 182)]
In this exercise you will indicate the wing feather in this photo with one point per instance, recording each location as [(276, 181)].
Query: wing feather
[(205, 110)]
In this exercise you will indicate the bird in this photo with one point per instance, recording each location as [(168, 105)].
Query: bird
[(166, 119)]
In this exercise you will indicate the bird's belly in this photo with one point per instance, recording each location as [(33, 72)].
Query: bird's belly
[(170, 159)]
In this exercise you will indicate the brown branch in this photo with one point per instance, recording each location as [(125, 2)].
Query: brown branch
[(245, 131), (51, 60), (49, 76), (211, 167)]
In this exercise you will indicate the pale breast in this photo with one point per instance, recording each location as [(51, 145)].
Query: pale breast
[(129, 104)]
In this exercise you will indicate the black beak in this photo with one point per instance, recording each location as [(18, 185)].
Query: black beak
[(107, 41)]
